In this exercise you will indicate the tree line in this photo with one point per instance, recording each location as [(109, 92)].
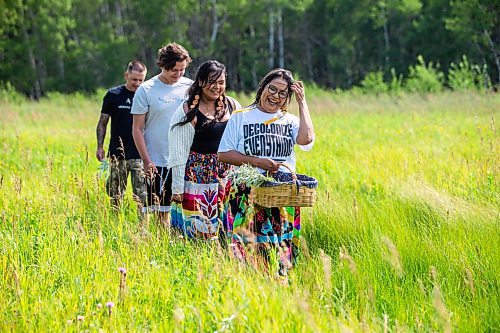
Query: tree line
[(80, 45)]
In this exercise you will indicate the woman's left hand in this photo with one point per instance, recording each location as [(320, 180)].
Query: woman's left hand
[(298, 88)]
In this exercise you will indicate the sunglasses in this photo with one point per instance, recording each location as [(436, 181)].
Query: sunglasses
[(273, 90)]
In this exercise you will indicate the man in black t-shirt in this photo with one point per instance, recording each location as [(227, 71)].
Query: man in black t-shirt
[(123, 155)]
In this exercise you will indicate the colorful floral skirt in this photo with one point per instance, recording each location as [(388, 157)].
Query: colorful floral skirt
[(202, 213), (263, 234)]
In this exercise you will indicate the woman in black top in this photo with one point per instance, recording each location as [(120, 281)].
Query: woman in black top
[(199, 187)]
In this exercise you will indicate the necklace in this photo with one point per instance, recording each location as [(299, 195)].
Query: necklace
[(207, 113)]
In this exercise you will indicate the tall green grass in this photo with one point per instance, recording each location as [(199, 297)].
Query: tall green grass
[(404, 236)]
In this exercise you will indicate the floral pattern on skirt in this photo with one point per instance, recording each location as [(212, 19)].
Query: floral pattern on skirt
[(259, 232), (202, 213)]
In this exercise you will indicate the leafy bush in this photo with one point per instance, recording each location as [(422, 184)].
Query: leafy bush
[(424, 78), (396, 83), (374, 83), (9, 94), (468, 76)]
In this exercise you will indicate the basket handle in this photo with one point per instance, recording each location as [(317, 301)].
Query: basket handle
[(294, 175)]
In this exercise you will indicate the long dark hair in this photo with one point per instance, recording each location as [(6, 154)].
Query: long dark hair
[(275, 73), (207, 73)]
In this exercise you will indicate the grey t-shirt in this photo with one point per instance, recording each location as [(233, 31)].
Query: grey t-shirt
[(158, 101)]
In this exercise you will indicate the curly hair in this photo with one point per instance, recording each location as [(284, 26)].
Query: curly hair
[(210, 71), (170, 54), (275, 73)]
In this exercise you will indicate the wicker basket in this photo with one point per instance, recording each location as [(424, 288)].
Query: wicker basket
[(289, 190)]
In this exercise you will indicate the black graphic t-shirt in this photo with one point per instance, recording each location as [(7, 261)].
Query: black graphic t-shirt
[(256, 133), (117, 103)]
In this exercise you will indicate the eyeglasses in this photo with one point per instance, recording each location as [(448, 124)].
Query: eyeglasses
[(273, 90)]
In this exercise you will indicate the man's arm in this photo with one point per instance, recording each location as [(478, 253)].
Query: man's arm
[(140, 143), (101, 134)]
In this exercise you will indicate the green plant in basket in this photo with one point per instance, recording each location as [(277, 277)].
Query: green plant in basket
[(247, 175)]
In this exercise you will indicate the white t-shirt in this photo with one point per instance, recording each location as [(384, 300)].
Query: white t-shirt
[(158, 101), (248, 133)]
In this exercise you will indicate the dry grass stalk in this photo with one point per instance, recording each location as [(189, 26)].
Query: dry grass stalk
[(355, 207), (392, 255), (344, 257), (326, 261), (178, 316), (18, 184), (443, 314), (469, 281), (304, 250), (421, 287), (301, 301), (101, 242), (17, 283), (418, 321)]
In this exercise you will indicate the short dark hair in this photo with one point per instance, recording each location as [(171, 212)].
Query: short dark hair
[(170, 54), (275, 73), (136, 65)]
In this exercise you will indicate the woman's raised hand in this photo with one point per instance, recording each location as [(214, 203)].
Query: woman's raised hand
[(298, 88)]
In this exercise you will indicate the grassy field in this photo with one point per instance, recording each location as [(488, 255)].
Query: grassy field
[(404, 237)]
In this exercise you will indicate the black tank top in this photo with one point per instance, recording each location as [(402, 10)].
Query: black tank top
[(207, 134)]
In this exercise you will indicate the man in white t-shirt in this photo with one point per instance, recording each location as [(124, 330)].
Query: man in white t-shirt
[(154, 105)]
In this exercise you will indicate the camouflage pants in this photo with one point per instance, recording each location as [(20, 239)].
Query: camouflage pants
[(116, 185)]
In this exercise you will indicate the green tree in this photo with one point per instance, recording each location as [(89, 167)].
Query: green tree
[(477, 22), (33, 43)]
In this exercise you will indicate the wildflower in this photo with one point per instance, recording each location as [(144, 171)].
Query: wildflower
[(110, 306), (99, 305), (80, 318), (123, 283)]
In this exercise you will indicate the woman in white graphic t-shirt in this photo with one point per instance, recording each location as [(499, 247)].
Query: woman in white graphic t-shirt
[(264, 135)]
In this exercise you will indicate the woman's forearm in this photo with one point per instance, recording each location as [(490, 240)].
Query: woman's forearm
[(236, 158), (306, 129)]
